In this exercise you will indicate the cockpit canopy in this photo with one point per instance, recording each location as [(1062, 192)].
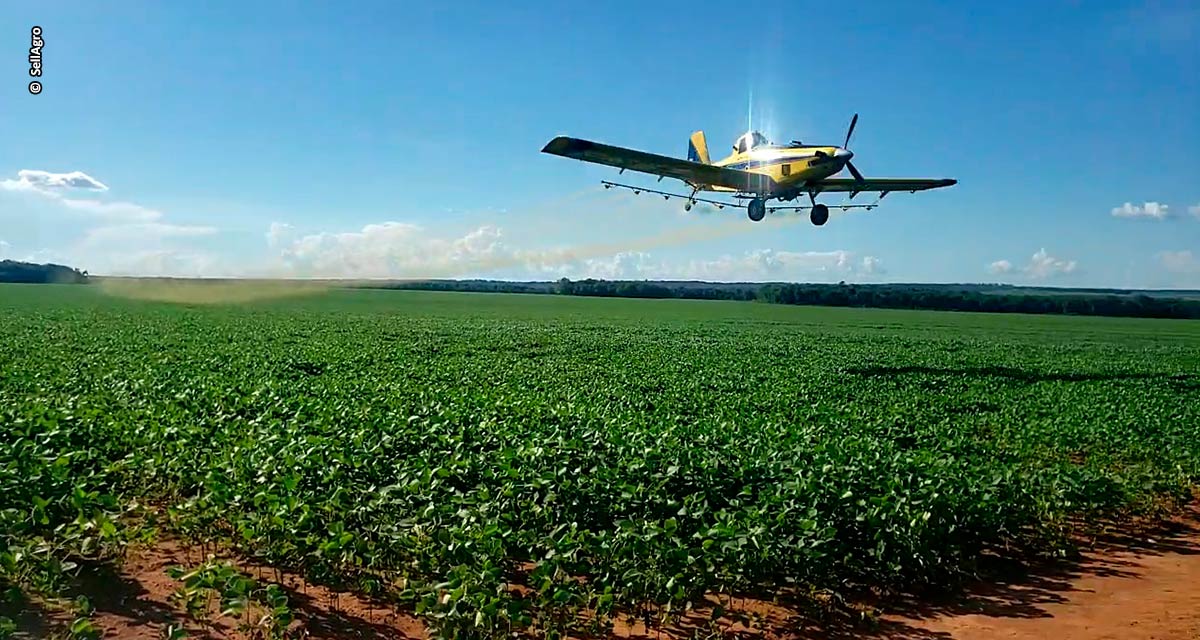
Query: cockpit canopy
[(749, 141)]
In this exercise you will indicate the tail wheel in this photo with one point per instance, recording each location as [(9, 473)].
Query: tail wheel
[(757, 209), (819, 215)]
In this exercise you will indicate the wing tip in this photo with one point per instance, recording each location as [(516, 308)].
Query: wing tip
[(566, 146), (556, 145), (939, 183)]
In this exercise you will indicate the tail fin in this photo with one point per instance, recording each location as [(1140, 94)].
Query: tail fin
[(698, 148)]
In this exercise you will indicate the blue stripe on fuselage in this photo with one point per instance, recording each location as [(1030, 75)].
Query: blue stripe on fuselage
[(755, 164)]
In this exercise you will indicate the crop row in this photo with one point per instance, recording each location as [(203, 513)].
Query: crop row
[(602, 466)]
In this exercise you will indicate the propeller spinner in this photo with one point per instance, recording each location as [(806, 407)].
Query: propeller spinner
[(844, 151)]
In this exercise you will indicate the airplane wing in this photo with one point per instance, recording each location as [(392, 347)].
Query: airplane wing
[(880, 184), (694, 173)]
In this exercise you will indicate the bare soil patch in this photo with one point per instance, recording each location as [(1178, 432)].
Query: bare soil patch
[(134, 602), (1128, 583)]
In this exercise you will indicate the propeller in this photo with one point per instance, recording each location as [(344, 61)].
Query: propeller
[(846, 145), (850, 131), (857, 176)]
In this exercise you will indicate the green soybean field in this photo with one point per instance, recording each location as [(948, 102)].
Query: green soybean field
[(545, 466)]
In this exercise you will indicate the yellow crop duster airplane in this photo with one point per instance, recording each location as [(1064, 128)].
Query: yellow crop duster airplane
[(757, 169)]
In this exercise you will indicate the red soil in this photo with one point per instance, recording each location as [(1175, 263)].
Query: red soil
[(1127, 585)]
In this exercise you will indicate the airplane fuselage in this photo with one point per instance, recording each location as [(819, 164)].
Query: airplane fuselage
[(789, 167)]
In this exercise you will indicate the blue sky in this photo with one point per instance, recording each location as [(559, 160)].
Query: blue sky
[(402, 139)]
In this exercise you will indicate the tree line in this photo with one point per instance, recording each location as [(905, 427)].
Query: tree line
[(942, 297), (945, 299), (27, 272), (966, 297)]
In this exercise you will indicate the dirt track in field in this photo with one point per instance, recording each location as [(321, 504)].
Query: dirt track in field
[(1143, 585), (1128, 586)]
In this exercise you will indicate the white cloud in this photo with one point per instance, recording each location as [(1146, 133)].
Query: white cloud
[(752, 266), (392, 249), (279, 234), (871, 264), (627, 265), (52, 186), (43, 256), (169, 263), (1041, 266), (4, 247), (782, 265), (144, 232), (117, 236), (1179, 261), (113, 211), (402, 250), (36, 180), (1154, 210), (1195, 211)]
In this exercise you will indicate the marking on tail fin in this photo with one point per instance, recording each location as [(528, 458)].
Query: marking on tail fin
[(698, 148)]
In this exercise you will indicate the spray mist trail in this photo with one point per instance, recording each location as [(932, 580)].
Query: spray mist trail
[(552, 260)]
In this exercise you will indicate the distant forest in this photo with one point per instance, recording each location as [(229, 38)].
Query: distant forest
[(13, 271), (994, 298), (944, 297)]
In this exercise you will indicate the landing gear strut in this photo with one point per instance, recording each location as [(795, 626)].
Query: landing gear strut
[(819, 214), (757, 209)]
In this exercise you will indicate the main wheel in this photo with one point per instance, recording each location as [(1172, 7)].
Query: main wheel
[(819, 215), (757, 209)]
